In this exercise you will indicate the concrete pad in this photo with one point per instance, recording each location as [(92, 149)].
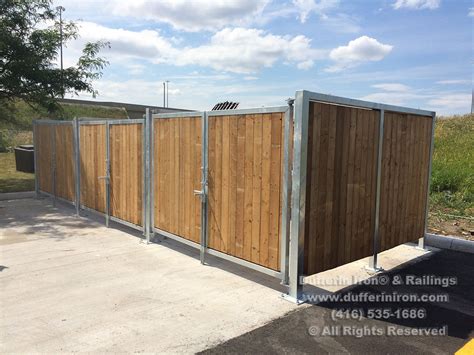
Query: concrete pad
[(354, 273), (69, 284)]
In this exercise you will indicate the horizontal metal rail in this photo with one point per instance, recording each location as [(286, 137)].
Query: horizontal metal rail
[(126, 223), (176, 238), (337, 100), (259, 110), (47, 194), (247, 111), (122, 122), (219, 254), (52, 122), (177, 114)]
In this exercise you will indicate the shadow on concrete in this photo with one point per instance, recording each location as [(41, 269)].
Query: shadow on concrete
[(291, 333)]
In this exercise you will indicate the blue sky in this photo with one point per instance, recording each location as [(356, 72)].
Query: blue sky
[(414, 53)]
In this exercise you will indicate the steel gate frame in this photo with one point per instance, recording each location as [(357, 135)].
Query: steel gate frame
[(203, 193), (293, 192), (298, 188)]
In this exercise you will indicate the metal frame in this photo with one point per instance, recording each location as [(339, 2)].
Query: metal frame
[(300, 139), (421, 241), (373, 266), (203, 193), (35, 157), (286, 196), (298, 197), (293, 193)]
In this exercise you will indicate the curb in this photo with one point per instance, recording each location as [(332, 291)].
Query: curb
[(449, 242), (16, 195)]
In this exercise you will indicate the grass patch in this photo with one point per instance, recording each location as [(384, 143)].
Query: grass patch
[(12, 180), (452, 182), (17, 130)]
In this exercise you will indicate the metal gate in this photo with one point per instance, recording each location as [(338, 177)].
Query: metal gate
[(199, 197), (112, 170)]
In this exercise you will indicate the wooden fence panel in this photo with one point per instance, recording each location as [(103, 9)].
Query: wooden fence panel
[(177, 173), (44, 154), (405, 168), (126, 172), (341, 185), (245, 164), (65, 172), (92, 156)]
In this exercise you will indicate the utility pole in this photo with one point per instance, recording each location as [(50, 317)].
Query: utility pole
[(164, 94), (61, 9), (167, 93)]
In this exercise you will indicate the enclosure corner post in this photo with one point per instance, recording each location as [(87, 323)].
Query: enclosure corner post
[(373, 261), (35, 158), (286, 195), (53, 162), (147, 176), (151, 167), (421, 241), (204, 187), (298, 197), (107, 173), (77, 153)]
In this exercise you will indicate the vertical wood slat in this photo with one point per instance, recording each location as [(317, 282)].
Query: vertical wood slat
[(405, 170), (44, 153), (177, 173), (245, 157), (64, 138), (126, 172), (92, 163), (341, 186)]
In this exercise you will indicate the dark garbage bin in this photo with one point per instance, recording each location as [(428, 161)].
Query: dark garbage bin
[(25, 158)]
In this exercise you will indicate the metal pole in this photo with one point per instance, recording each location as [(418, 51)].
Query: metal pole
[(421, 241), (53, 161), (286, 195), (61, 9), (376, 236), (77, 165), (147, 178), (151, 167), (35, 157), (164, 94), (204, 187), (107, 174), (298, 197), (167, 93)]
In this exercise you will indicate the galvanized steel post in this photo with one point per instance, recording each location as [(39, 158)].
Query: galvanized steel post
[(77, 160), (53, 162), (376, 236), (298, 197), (421, 241), (204, 187), (286, 195), (107, 173), (151, 167), (147, 177), (35, 157)]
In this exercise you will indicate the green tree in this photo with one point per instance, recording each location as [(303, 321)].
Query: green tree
[(29, 46)]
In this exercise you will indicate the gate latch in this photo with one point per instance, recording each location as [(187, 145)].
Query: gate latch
[(199, 193)]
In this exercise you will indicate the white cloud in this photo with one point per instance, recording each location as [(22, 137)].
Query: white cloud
[(417, 4), (195, 15), (306, 7), (453, 82), (471, 12), (452, 102), (238, 50), (392, 87), (357, 51), (242, 50)]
